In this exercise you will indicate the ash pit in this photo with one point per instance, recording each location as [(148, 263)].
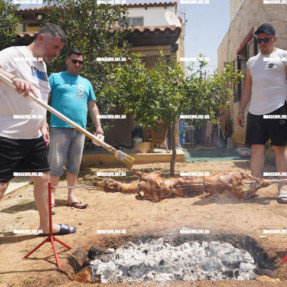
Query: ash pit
[(188, 258)]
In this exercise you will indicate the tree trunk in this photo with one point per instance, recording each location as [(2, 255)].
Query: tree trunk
[(173, 148)]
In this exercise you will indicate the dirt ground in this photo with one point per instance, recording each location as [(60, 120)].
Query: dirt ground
[(115, 211)]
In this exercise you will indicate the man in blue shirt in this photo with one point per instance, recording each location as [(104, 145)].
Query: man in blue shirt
[(73, 96)]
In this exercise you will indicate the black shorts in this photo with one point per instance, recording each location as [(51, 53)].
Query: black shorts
[(22, 156), (260, 129)]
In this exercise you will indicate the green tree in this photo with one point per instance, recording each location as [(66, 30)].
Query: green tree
[(211, 95), (93, 29), (9, 21), (164, 93)]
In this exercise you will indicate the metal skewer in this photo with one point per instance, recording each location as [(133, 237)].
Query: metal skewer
[(270, 180), (73, 186)]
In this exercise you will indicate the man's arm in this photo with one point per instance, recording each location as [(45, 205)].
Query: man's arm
[(94, 113), (45, 128), (245, 98), (22, 86)]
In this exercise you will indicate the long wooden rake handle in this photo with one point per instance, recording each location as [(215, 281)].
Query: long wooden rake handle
[(128, 160)]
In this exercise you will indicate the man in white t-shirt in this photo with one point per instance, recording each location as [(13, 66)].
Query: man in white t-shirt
[(24, 131), (265, 86)]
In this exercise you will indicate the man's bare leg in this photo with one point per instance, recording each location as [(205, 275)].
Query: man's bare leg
[(72, 181), (281, 165), (42, 201), (3, 188), (257, 159)]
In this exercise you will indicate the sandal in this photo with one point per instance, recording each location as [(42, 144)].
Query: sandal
[(77, 204), (282, 198), (64, 230), (53, 208)]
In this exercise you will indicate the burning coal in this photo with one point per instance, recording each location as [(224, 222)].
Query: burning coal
[(158, 260)]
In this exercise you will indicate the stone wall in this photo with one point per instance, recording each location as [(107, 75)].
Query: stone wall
[(234, 6), (251, 14)]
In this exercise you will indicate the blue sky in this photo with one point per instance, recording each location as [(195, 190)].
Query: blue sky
[(205, 27)]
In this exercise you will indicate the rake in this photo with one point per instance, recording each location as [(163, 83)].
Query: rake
[(126, 159)]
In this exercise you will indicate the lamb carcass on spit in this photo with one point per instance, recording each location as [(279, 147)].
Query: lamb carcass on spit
[(153, 187)]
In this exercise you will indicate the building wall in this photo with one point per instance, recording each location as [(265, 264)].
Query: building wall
[(234, 6), (153, 16), (251, 14), (181, 47)]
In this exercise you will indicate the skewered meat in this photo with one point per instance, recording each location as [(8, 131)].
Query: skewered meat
[(151, 186)]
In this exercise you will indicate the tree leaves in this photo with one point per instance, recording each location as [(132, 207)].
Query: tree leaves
[(9, 22), (164, 92), (90, 28)]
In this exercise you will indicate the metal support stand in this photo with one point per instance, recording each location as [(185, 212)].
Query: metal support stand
[(51, 238), (284, 259)]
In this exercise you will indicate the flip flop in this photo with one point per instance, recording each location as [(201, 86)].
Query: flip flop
[(74, 204), (64, 230), (52, 206), (281, 197), (252, 196)]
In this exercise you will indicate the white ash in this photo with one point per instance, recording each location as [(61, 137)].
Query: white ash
[(157, 260)]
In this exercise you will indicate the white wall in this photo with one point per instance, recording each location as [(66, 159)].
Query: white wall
[(153, 16)]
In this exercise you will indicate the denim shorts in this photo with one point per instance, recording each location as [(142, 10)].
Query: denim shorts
[(66, 143)]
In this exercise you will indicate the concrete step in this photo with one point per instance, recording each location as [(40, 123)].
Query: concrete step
[(105, 159), (17, 182)]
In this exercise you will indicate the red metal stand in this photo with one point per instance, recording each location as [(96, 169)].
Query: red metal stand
[(284, 259), (51, 238)]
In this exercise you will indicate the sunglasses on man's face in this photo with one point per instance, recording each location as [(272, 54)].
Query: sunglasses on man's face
[(74, 61), (264, 40)]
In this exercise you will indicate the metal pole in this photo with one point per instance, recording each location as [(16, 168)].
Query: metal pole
[(73, 186)]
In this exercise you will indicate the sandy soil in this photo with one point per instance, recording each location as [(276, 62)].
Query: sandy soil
[(115, 211)]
